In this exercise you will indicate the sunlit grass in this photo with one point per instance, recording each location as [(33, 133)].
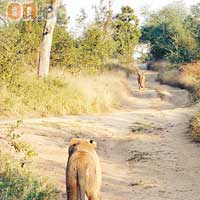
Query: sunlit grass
[(17, 183), (186, 77), (63, 94), (195, 127)]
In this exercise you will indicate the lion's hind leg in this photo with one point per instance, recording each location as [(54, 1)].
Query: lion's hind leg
[(93, 197), (73, 192)]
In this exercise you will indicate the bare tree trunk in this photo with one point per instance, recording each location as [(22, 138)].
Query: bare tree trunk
[(45, 49)]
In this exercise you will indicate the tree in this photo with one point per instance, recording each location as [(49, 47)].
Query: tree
[(193, 24), (63, 53), (45, 49), (169, 35), (126, 31), (103, 15), (97, 45)]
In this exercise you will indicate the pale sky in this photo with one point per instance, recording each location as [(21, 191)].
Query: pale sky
[(74, 6)]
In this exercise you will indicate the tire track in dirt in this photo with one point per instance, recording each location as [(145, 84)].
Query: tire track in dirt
[(145, 149)]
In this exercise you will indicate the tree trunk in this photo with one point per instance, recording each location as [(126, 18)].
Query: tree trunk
[(45, 49)]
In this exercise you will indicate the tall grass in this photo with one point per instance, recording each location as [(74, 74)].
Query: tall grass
[(17, 183), (63, 94), (195, 127), (186, 77), (158, 65)]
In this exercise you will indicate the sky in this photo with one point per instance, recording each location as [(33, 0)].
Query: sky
[(74, 6)]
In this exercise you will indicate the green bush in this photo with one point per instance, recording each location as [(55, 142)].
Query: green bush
[(171, 34), (86, 55), (126, 33), (17, 183), (96, 47), (63, 95)]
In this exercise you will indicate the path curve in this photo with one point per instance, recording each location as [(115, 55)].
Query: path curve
[(145, 148)]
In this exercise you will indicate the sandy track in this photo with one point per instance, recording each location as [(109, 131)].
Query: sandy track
[(145, 148)]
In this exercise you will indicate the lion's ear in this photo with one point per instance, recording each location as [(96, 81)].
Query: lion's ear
[(94, 144), (74, 141)]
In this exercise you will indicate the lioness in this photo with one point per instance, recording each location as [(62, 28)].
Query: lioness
[(141, 80), (83, 172)]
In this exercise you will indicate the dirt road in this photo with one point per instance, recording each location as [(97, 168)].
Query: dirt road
[(145, 148)]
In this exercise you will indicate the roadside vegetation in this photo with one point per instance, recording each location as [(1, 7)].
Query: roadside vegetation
[(195, 126), (63, 94), (174, 36), (17, 181), (186, 77), (81, 78), (88, 74)]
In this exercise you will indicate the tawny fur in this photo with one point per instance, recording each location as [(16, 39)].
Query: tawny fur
[(83, 172), (141, 80)]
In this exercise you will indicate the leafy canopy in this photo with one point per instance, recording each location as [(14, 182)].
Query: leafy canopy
[(126, 31), (168, 32)]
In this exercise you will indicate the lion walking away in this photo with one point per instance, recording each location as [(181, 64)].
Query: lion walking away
[(141, 80), (83, 172)]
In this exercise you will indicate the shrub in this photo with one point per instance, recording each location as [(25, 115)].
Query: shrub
[(186, 77), (17, 183), (171, 34), (96, 47), (63, 95), (195, 127), (21, 148), (126, 32), (158, 65), (115, 65)]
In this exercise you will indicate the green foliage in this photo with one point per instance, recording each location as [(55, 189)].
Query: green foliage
[(17, 183), (20, 44), (18, 49), (62, 95), (13, 139), (104, 14), (192, 22), (63, 52), (9, 58), (87, 54), (62, 19), (29, 42), (168, 32), (126, 31), (96, 45)]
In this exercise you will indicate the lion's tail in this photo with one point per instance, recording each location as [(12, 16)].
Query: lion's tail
[(82, 182)]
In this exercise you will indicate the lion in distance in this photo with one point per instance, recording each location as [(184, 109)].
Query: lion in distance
[(141, 80)]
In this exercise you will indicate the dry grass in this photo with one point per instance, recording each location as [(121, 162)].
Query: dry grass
[(129, 70), (186, 77), (158, 65), (195, 127), (62, 94), (162, 93)]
